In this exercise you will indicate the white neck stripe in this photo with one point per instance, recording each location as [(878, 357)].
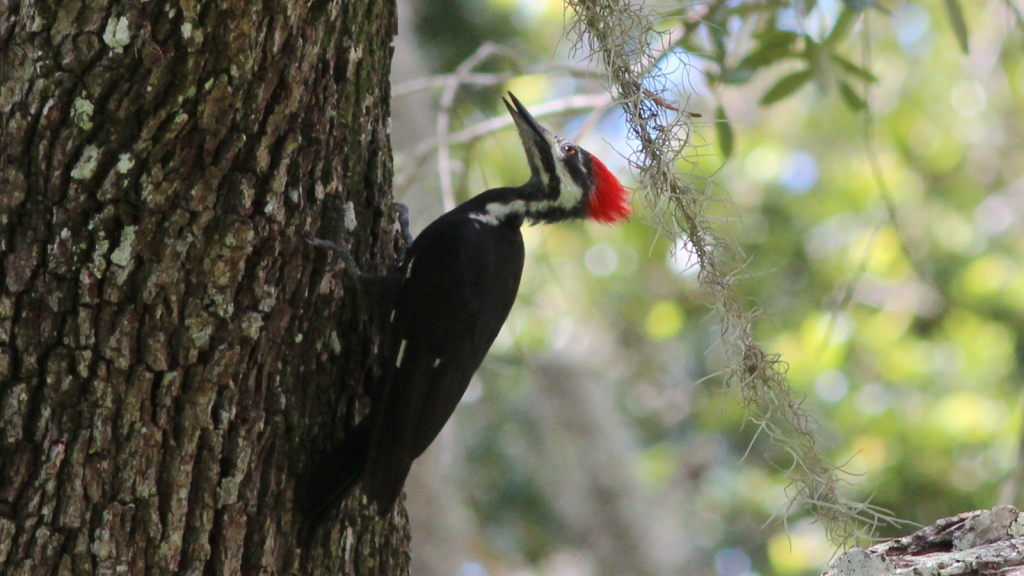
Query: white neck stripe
[(489, 218)]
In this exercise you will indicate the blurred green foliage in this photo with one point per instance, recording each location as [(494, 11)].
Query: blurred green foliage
[(875, 183)]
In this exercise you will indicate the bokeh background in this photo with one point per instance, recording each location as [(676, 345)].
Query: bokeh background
[(879, 209)]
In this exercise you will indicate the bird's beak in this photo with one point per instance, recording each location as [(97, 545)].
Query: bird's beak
[(534, 137)]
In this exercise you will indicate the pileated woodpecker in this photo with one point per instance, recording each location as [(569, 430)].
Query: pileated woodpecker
[(445, 305)]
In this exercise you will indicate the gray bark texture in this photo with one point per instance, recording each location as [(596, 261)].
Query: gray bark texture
[(979, 543), (173, 355)]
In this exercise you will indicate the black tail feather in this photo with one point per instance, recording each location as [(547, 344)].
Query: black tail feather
[(385, 488), (337, 474)]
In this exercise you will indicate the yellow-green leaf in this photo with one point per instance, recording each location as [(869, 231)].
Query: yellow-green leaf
[(771, 48), (820, 58), (737, 75), (785, 86), (852, 100), (844, 24), (853, 69), (956, 18), (724, 131)]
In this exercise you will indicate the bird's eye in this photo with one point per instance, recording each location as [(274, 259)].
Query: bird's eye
[(568, 149)]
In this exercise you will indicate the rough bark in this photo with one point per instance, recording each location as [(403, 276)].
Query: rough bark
[(173, 355), (979, 543)]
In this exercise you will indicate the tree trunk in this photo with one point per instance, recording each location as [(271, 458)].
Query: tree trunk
[(173, 355)]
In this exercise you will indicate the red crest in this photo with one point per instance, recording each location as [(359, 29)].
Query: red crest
[(609, 201)]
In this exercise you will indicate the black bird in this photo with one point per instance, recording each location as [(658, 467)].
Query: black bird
[(445, 305)]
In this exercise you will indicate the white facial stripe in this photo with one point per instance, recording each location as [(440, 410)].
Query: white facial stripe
[(536, 161), (498, 211), (533, 155), (401, 352), (570, 193), (488, 218), (436, 362)]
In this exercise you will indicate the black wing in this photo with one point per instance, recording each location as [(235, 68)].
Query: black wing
[(462, 276)]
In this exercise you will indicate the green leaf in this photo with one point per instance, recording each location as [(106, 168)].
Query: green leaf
[(956, 18), (785, 86), (774, 38), (881, 8), (689, 44), (808, 5), (772, 47), (859, 5), (819, 56), (724, 131), (717, 42), (854, 70), (765, 55), (844, 24), (852, 100), (746, 9), (737, 75)]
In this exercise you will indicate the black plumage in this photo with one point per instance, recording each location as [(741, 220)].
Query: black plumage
[(446, 304)]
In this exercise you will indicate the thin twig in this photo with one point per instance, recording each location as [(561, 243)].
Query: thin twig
[(892, 217), (491, 79), (444, 116), (413, 160)]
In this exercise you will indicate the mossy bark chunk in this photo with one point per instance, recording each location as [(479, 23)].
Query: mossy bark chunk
[(166, 374)]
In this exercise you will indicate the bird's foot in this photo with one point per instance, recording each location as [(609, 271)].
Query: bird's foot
[(342, 249), (402, 217), (339, 245)]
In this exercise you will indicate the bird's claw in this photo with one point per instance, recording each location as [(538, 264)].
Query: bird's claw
[(341, 248), (402, 217)]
